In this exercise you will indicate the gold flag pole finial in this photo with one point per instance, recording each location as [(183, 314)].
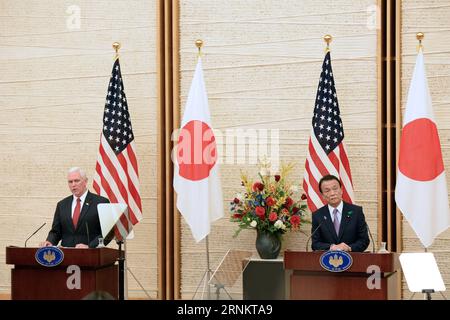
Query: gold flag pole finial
[(420, 37), (199, 45), (327, 38), (116, 46)]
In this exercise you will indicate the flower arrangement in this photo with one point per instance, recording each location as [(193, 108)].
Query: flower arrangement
[(268, 204)]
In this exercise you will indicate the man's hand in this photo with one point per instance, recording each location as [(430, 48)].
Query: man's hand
[(45, 244), (341, 246), (82, 245)]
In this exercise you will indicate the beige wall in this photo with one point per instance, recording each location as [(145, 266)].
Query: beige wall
[(262, 61), (433, 20), (53, 81)]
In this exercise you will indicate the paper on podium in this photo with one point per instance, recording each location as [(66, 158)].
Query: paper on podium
[(114, 218), (421, 272)]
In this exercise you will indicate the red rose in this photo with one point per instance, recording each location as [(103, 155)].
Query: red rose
[(289, 202), (285, 211), (236, 200), (261, 213), (273, 216), (237, 216), (304, 197), (258, 186), (277, 177), (270, 202), (295, 210), (295, 221)]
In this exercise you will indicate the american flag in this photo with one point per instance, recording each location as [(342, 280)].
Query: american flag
[(326, 152), (116, 171)]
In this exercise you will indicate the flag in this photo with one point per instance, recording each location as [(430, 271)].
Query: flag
[(116, 172), (421, 190), (196, 172), (326, 153)]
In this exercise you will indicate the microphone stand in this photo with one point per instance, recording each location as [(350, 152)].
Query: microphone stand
[(312, 233), (34, 233)]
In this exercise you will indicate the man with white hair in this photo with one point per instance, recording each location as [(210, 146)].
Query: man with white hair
[(76, 223)]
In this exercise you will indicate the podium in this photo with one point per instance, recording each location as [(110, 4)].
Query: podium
[(308, 280), (94, 269)]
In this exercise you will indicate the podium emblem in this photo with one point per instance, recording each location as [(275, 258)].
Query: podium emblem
[(49, 256), (336, 261)]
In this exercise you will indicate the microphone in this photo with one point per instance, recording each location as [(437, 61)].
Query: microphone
[(87, 233), (371, 238), (34, 233), (312, 233)]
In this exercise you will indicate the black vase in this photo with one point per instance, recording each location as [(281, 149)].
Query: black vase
[(268, 245)]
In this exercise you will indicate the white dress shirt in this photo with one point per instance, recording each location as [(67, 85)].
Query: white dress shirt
[(340, 207)]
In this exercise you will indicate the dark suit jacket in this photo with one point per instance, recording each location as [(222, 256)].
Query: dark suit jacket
[(63, 229), (352, 231)]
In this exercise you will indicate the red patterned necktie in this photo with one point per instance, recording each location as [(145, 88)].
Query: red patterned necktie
[(76, 213), (336, 221)]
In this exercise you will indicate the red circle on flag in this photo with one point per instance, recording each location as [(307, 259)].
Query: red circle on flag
[(420, 151), (196, 150)]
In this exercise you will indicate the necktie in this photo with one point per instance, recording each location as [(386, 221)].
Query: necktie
[(76, 213), (336, 221)]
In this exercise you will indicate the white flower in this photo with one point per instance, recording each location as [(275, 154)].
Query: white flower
[(279, 225), (253, 224)]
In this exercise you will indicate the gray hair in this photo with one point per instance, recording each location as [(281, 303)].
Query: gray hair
[(78, 169)]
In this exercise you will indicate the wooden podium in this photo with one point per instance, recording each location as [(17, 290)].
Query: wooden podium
[(30, 280), (308, 280)]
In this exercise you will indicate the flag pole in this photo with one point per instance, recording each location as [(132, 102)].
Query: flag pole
[(420, 37), (327, 38), (116, 46), (208, 273), (199, 45)]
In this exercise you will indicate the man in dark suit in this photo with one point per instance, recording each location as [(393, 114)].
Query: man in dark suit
[(342, 225), (76, 221)]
